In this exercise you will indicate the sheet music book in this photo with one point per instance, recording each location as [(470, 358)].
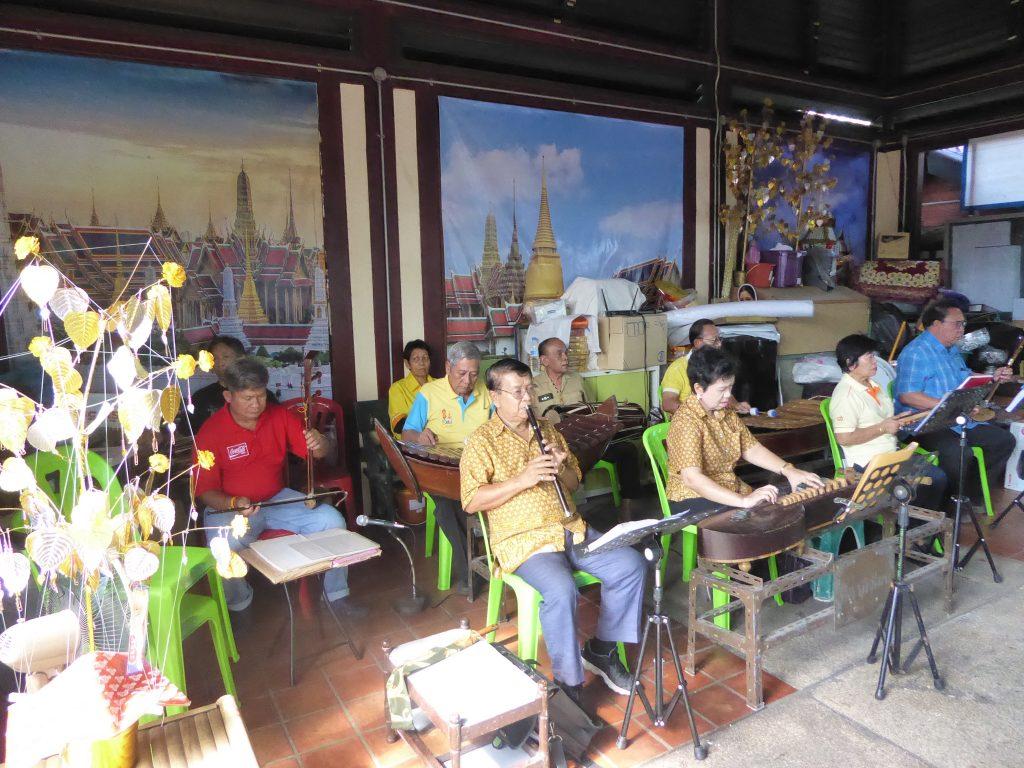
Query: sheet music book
[(337, 545), (975, 380)]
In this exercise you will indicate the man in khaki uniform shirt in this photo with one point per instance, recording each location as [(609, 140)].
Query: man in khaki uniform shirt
[(554, 385)]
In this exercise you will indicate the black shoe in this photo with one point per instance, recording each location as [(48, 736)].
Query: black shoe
[(344, 606), (574, 692), (608, 667)]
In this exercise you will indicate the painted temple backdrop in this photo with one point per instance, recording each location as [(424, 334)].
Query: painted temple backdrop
[(531, 199), (117, 167)]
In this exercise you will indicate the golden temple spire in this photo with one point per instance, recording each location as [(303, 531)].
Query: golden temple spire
[(544, 279), (159, 222), (94, 219), (250, 308), (290, 235), (544, 241), (211, 231)]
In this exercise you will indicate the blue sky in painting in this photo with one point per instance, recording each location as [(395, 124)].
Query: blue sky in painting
[(615, 187)]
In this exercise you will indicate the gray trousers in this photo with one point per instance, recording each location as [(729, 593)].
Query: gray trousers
[(622, 573)]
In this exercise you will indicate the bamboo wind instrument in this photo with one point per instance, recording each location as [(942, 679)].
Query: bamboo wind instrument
[(566, 510), (987, 414)]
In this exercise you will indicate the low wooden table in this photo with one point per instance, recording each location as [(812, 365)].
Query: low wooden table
[(276, 576), (211, 735)]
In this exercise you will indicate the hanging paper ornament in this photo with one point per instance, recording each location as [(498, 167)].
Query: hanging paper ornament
[(159, 463), (52, 426), (26, 246), (235, 568), (205, 459), (185, 366), (16, 475), (101, 416), (40, 282), (160, 305), (90, 507), (16, 412), (57, 362), (49, 548), (135, 324), (39, 345), (163, 512), (174, 274), (121, 368), (14, 572), (239, 526), (83, 328), (170, 403), (68, 300), (221, 550), (205, 361), (140, 564), (136, 410), (38, 509)]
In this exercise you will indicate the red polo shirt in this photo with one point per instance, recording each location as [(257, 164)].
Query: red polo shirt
[(249, 462)]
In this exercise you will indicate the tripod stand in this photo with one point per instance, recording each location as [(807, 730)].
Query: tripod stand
[(890, 623), (661, 710), (960, 500)]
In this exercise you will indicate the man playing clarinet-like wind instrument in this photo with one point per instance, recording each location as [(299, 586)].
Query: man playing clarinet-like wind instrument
[(532, 528)]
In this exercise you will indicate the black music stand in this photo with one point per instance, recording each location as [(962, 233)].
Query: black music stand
[(953, 411), (647, 533)]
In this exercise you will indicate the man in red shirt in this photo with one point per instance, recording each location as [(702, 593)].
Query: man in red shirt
[(250, 440)]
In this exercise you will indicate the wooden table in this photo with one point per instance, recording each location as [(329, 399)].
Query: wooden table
[(276, 576), (207, 736)]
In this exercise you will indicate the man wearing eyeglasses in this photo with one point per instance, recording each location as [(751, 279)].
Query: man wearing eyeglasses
[(675, 385), (930, 366), (507, 475)]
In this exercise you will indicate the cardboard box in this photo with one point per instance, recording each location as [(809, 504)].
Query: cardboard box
[(895, 245), (837, 314), (632, 341)]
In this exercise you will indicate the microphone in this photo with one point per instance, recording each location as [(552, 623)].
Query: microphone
[(364, 520)]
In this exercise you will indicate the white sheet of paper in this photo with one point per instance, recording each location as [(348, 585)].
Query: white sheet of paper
[(297, 551)]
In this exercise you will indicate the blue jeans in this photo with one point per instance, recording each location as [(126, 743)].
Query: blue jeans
[(296, 518)]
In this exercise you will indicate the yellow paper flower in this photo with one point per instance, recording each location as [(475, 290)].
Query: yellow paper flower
[(26, 246), (185, 367), (239, 526), (159, 463), (39, 345), (174, 274), (205, 361), (205, 459)]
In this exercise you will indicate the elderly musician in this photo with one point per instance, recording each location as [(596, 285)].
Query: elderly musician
[(445, 412), (930, 366), (417, 360), (862, 416), (675, 386), (555, 384), (707, 439), (506, 475), (250, 440)]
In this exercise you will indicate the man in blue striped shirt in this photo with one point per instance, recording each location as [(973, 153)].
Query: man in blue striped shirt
[(929, 367)]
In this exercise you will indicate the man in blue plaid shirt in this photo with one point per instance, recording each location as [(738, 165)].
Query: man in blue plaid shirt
[(929, 367)]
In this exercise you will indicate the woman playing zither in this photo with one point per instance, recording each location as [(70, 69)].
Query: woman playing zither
[(707, 440)]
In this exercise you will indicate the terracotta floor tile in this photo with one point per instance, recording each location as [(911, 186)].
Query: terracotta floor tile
[(320, 728), (718, 663), (720, 704), (288, 762), (606, 704), (774, 688), (676, 730), (308, 696), (349, 753), (357, 683), (388, 755), (258, 711), (367, 712), (270, 743), (639, 750)]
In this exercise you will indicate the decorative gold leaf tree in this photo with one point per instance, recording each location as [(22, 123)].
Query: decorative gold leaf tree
[(804, 188)]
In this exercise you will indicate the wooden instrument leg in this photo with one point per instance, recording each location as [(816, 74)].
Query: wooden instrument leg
[(753, 650)]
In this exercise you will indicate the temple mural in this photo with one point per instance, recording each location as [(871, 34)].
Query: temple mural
[(119, 167)]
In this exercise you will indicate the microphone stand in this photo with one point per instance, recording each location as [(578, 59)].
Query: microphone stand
[(410, 604)]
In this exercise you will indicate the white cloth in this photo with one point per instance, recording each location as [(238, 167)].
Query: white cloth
[(587, 296), (680, 320), (853, 408), (760, 330)]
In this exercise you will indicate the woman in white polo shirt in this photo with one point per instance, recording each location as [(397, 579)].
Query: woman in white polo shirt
[(862, 416)]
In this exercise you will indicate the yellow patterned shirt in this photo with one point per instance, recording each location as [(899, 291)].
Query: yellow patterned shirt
[(532, 521), (711, 442)]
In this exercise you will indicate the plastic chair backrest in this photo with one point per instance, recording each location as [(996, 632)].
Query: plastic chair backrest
[(487, 541), (826, 415), (323, 413), (654, 444), (44, 464)]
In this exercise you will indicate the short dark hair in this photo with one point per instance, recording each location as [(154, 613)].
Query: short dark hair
[(697, 329), (710, 364), (230, 342), (937, 311), (850, 349), (246, 373), (543, 348), (412, 346), (506, 365)]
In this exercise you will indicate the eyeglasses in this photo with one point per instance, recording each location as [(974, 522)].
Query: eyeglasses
[(714, 341), (957, 323), (519, 394)]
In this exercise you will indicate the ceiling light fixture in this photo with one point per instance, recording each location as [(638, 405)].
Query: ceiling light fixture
[(839, 118)]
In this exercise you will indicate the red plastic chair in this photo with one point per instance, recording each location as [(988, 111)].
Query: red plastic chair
[(324, 414)]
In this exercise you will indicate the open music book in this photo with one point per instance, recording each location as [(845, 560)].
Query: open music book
[(338, 546)]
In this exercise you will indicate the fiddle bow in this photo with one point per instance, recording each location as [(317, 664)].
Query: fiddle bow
[(307, 408), (987, 414)]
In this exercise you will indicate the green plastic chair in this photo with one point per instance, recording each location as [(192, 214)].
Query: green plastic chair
[(613, 479), (175, 613), (528, 602), (444, 547), (45, 464)]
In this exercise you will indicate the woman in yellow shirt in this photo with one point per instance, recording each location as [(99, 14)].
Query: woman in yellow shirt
[(403, 391)]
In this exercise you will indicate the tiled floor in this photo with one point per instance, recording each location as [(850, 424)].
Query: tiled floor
[(334, 715)]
